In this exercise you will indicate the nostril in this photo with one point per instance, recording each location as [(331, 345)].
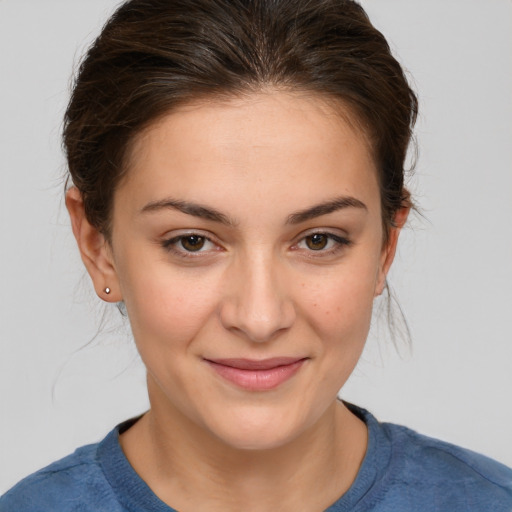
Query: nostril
[(258, 324)]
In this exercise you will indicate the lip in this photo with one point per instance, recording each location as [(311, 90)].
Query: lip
[(257, 375)]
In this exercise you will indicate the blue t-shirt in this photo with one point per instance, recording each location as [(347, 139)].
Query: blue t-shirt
[(402, 472)]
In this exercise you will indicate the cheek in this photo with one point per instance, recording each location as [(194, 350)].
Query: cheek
[(165, 306), (340, 305)]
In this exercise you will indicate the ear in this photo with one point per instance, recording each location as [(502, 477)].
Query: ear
[(94, 249), (389, 250)]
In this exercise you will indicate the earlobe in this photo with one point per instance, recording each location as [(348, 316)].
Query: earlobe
[(94, 249), (389, 250)]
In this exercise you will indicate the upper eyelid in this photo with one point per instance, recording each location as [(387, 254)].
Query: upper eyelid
[(341, 240), (322, 231), (169, 237)]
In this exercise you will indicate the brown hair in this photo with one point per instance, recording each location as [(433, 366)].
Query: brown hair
[(153, 55)]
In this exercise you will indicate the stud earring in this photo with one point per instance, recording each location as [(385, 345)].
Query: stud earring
[(107, 291)]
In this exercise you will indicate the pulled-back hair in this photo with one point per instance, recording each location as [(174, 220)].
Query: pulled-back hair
[(153, 55)]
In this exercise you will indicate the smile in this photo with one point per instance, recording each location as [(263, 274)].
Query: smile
[(257, 375)]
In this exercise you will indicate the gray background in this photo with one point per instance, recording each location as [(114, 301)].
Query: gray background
[(59, 388)]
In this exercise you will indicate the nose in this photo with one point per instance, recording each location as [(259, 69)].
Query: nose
[(257, 305)]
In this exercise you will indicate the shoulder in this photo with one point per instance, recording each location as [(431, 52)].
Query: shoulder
[(445, 472), (433, 454), (62, 486)]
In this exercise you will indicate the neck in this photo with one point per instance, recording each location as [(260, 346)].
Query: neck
[(190, 469)]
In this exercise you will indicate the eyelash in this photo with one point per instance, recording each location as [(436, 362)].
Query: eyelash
[(339, 244)]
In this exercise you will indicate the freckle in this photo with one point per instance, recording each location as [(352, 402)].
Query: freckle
[(314, 305)]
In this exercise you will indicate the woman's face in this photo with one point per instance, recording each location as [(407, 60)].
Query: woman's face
[(247, 245)]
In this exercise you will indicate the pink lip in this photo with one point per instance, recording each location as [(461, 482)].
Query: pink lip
[(257, 375)]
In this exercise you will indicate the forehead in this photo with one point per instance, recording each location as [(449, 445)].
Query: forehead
[(266, 147)]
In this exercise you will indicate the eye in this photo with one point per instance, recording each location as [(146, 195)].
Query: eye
[(317, 242), (192, 243), (322, 243), (188, 244)]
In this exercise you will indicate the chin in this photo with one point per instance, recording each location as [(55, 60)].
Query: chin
[(258, 428), (257, 439)]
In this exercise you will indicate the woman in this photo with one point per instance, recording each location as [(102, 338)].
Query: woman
[(237, 183)]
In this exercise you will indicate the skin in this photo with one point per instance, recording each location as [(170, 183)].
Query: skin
[(255, 290)]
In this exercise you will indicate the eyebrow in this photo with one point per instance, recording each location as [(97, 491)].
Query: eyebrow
[(333, 205), (205, 212), (189, 208)]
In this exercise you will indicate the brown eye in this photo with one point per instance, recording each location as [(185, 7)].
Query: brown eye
[(317, 242), (192, 243)]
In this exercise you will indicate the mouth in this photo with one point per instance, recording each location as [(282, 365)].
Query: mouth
[(257, 375)]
